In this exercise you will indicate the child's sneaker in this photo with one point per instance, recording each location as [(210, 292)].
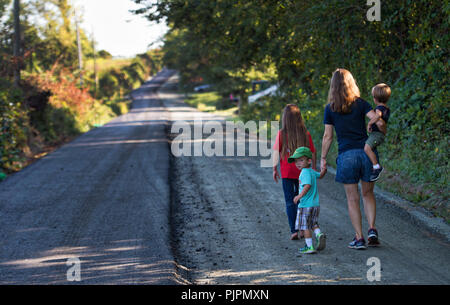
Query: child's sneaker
[(307, 250), (359, 244), (372, 238), (375, 175), (320, 241)]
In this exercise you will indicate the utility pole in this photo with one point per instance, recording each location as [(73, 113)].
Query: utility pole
[(80, 51), (16, 47), (95, 65)]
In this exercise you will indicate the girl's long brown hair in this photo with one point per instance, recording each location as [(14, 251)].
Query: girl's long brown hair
[(293, 131), (343, 91)]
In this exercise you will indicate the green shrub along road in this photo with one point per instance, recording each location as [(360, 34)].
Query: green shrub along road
[(51, 108), (56, 99)]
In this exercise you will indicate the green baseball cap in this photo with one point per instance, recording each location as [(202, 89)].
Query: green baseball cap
[(300, 152)]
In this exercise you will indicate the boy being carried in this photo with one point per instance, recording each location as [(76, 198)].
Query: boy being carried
[(381, 94), (308, 209)]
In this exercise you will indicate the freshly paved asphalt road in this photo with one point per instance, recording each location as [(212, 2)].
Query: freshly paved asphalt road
[(103, 198)]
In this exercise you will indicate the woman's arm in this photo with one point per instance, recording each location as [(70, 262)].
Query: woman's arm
[(372, 115), (326, 143), (372, 121), (314, 151), (314, 160)]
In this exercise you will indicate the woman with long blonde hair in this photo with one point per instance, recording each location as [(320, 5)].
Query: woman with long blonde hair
[(292, 135), (346, 112)]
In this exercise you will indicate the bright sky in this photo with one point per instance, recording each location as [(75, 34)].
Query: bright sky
[(117, 30)]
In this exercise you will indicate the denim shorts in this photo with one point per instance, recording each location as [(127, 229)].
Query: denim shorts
[(353, 165)]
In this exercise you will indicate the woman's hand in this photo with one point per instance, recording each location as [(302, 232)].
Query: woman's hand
[(323, 164), (323, 171), (275, 174), (326, 143)]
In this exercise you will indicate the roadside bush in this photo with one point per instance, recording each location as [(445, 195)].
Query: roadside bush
[(52, 108), (63, 116), (108, 84), (119, 106), (14, 125)]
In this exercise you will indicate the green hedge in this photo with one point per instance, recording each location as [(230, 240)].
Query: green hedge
[(14, 125)]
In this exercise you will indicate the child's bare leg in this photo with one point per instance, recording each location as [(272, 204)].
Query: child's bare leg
[(307, 233), (369, 152), (308, 238)]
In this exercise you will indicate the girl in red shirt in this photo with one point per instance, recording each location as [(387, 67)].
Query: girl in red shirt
[(292, 135)]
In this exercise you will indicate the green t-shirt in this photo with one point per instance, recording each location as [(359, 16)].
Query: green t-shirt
[(311, 199)]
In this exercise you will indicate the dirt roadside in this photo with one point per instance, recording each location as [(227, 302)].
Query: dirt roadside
[(229, 226)]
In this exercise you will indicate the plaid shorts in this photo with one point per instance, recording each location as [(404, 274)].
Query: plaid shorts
[(307, 218)]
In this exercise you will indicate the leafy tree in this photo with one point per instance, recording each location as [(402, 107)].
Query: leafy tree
[(217, 40), (104, 54)]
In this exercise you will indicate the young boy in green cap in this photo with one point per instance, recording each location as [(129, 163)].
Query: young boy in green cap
[(308, 208)]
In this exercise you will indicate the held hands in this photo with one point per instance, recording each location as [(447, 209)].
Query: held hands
[(297, 198), (323, 164), (323, 167), (323, 171)]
